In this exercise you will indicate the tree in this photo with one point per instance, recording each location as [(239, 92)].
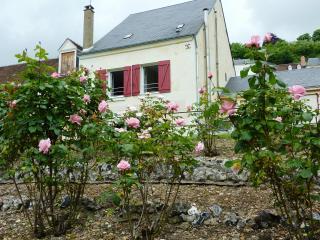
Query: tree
[(316, 35), (304, 37), (238, 50)]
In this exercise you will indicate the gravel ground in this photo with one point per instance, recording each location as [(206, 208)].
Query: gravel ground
[(245, 201)]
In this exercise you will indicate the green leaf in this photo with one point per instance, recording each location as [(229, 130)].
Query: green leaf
[(229, 164), (306, 173), (245, 135), (244, 72), (307, 116), (32, 129)]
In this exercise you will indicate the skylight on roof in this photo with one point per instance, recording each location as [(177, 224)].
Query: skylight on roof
[(179, 27), (128, 36)]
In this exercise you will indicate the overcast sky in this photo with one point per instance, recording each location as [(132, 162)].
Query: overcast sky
[(24, 23)]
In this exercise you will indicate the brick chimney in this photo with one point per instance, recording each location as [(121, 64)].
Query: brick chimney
[(88, 27)]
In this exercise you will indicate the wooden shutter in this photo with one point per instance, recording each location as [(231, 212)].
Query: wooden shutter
[(67, 62), (102, 75), (135, 80), (164, 78), (127, 88)]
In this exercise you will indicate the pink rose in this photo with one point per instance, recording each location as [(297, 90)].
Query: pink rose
[(268, 38), (103, 106), (278, 119), (133, 122), (75, 118), (55, 75), (210, 75), (172, 107), (86, 98), (297, 91), (199, 148), (180, 122), (83, 79), (202, 90), (123, 166), (13, 104), (254, 42), (44, 145), (228, 107)]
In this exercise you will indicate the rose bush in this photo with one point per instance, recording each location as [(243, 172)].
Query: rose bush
[(278, 135), (50, 138), (151, 139)]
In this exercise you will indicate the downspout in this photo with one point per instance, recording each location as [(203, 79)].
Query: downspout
[(197, 66), (217, 47), (207, 49)]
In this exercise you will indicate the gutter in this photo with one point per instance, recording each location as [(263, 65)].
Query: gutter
[(196, 53)]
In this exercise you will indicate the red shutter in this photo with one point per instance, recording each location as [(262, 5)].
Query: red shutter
[(127, 88), (164, 79), (102, 75), (135, 80)]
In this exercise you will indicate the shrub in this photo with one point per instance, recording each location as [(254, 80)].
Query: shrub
[(50, 138), (152, 139), (275, 132)]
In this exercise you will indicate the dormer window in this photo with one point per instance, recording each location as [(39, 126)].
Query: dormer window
[(128, 36), (179, 27)]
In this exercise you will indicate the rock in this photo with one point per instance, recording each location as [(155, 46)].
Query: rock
[(241, 224), (216, 210), (90, 205), (266, 219), (188, 218), (175, 220), (230, 219), (184, 226), (66, 201), (1, 204), (6, 206), (180, 208), (316, 216), (27, 203), (211, 222), (200, 218), (17, 204)]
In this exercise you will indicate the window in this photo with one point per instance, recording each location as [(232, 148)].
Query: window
[(117, 83), (67, 62), (151, 79)]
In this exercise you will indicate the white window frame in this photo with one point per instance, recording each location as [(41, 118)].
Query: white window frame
[(110, 81), (142, 78)]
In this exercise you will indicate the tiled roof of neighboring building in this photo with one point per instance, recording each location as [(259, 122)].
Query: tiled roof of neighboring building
[(12, 72), (307, 77), (155, 25)]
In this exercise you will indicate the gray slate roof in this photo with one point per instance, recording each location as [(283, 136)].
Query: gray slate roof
[(307, 77), (314, 62), (155, 25)]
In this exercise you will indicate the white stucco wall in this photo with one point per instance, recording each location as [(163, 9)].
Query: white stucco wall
[(180, 52), (226, 68)]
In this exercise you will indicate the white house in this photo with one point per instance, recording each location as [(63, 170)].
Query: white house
[(166, 51)]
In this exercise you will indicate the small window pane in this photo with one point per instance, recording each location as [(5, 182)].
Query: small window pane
[(117, 83), (151, 79)]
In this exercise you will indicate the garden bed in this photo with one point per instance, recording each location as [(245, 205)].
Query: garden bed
[(102, 224)]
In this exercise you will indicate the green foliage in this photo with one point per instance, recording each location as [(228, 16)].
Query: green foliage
[(304, 37), (275, 134), (239, 50), (208, 120), (158, 143), (316, 35), (40, 108)]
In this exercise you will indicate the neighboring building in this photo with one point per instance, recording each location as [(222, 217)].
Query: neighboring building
[(13, 72), (240, 64), (313, 62), (168, 51), (69, 56), (307, 77)]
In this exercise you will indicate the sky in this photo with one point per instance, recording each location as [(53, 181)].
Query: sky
[(23, 23)]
